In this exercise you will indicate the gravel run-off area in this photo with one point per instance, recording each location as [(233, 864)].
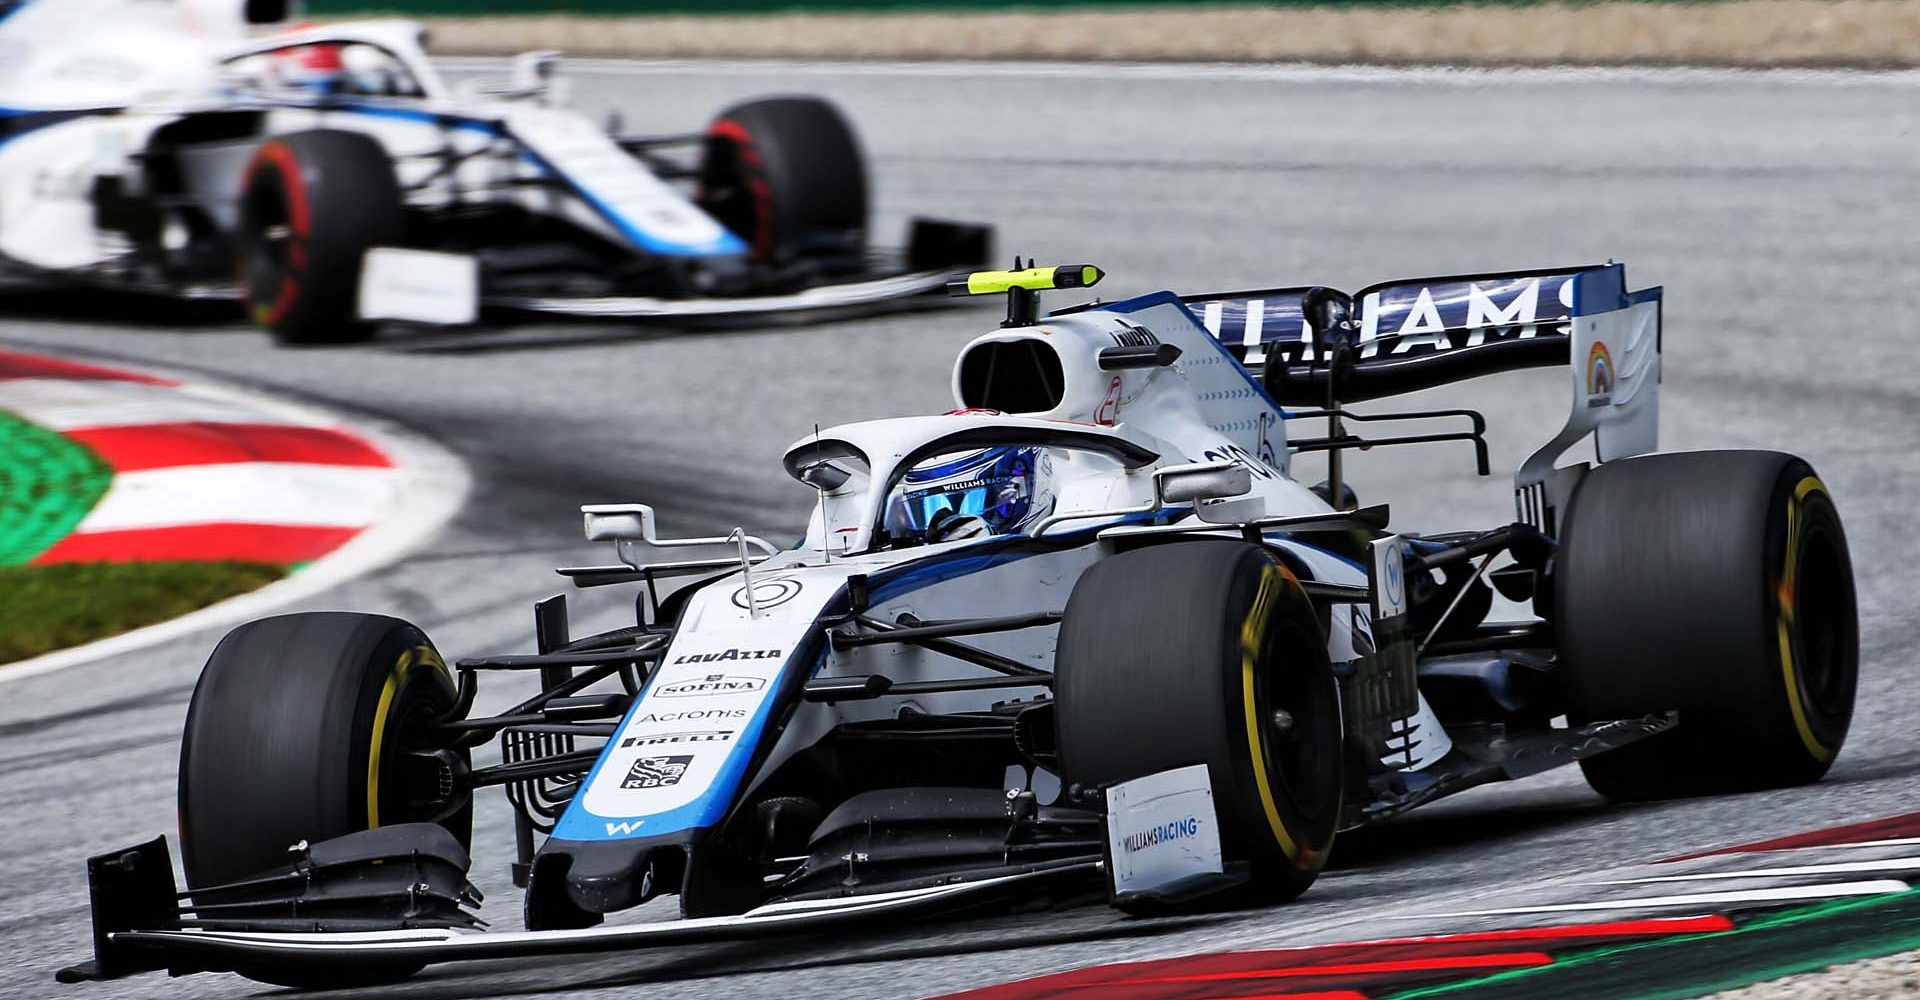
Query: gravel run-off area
[(1755, 33), (1895, 977)]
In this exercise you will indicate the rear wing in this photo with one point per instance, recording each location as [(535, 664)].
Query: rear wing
[(1413, 334), (1428, 332)]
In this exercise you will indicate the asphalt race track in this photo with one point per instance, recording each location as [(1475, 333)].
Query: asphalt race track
[(1781, 212)]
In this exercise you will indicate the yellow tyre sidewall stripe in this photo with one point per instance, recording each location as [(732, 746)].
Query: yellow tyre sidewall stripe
[(1252, 638), (1784, 620), (415, 656)]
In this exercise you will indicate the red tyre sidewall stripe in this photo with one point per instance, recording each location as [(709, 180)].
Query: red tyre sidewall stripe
[(299, 220), (736, 133)]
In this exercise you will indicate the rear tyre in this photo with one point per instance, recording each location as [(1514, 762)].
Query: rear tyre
[(311, 206), (1190, 653), (786, 175), (302, 727), (1717, 584)]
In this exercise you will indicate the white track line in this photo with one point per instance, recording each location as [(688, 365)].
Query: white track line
[(75, 404), (431, 485), (1832, 890), (1251, 72), (1837, 868), (293, 493), (1893, 842)]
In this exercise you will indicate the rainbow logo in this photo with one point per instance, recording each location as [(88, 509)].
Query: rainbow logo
[(1599, 372)]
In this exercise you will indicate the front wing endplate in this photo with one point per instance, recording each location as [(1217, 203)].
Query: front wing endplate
[(196, 950)]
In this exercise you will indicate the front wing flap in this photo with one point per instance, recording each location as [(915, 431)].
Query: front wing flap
[(935, 249), (853, 294), (121, 952)]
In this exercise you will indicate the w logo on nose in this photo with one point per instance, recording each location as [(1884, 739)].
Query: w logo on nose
[(621, 829)]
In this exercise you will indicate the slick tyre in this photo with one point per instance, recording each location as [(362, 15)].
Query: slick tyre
[(1208, 653), (786, 175), (1717, 584), (311, 205), (308, 727)]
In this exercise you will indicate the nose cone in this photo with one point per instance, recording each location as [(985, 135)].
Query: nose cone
[(573, 882)]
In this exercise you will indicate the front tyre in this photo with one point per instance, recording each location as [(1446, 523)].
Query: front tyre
[(1718, 584), (308, 727), (786, 175), (311, 206), (1208, 652)]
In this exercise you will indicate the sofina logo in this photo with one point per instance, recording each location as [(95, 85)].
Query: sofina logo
[(1599, 375), (711, 684)]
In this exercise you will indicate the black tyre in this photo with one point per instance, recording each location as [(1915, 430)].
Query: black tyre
[(1717, 584), (311, 205), (300, 729), (1188, 653), (785, 174)]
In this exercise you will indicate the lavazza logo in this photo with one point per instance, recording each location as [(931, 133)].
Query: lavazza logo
[(711, 684), (1179, 829), (729, 655)]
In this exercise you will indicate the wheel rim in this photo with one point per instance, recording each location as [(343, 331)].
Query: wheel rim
[(413, 778), (1302, 747), (273, 250), (733, 191), (1821, 592)]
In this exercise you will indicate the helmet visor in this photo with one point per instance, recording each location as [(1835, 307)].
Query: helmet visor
[(1001, 500)]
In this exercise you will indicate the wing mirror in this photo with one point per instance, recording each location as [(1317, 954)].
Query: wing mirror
[(1203, 481), (1212, 488), (824, 476), (619, 522), (533, 76), (533, 71), (827, 466)]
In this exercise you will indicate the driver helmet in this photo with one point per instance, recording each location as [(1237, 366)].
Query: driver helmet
[(994, 491), (315, 66)]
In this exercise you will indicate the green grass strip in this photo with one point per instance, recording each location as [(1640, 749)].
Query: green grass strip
[(44, 608), (1800, 940), (48, 482)]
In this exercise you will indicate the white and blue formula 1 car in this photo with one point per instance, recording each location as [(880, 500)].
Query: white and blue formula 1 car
[(1084, 629), (162, 146)]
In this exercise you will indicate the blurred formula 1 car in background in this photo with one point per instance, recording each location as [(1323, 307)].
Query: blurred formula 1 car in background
[(154, 146), (1085, 629)]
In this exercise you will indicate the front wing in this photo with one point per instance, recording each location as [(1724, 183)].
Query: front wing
[(855, 294), (167, 944)]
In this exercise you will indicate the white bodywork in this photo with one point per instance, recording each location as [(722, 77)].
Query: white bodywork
[(1112, 434), (165, 65), (1130, 446), (87, 86), (1202, 409)]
